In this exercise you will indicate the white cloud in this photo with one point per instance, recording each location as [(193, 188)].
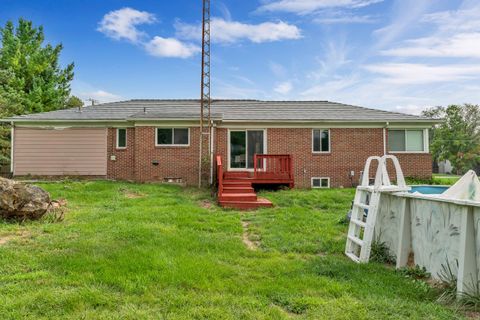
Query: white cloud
[(334, 58), (416, 73), (410, 109), (284, 88), (232, 31), (309, 6), (406, 16), (121, 24), (463, 19), (100, 96), (463, 45), (457, 34), (170, 48), (343, 18)]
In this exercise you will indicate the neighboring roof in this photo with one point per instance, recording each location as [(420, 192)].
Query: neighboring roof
[(225, 110)]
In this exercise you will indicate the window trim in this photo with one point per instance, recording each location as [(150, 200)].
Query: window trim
[(265, 147), (426, 142), (320, 178), (118, 140), (329, 141), (173, 138)]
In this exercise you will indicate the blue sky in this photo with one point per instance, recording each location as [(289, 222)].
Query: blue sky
[(401, 55)]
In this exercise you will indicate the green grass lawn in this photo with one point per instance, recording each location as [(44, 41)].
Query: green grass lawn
[(445, 179), (130, 251)]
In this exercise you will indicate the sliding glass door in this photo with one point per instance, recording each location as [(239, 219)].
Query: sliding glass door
[(243, 145)]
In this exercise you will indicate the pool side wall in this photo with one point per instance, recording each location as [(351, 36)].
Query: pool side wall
[(433, 234)]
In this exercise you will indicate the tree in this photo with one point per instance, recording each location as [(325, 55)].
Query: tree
[(457, 138), (74, 102), (31, 79)]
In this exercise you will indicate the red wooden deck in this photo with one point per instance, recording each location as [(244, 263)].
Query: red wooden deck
[(235, 189)]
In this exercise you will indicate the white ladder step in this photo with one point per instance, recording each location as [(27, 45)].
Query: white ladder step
[(382, 184), (356, 240), (358, 223), (362, 205), (352, 256)]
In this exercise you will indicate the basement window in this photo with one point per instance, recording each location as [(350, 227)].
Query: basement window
[(121, 138), (321, 141), (406, 140), (172, 137), (320, 183)]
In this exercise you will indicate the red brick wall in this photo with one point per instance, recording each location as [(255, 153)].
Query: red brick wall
[(221, 136), (415, 165), (174, 162), (349, 150), (123, 167)]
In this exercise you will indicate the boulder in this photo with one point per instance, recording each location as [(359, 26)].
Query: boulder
[(20, 201)]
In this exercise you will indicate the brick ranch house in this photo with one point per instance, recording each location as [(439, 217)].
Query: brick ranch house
[(158, 140)]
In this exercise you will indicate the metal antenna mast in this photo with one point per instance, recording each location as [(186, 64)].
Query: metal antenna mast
[(205, 101)]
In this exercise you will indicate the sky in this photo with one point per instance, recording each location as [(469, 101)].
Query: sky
[(398, 55)]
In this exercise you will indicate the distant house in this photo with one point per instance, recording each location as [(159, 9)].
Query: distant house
[(158, 140), (445, 167)]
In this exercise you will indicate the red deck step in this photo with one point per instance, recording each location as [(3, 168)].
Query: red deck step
[(247, 205), (235, 175), (238, 189), (238, 197)]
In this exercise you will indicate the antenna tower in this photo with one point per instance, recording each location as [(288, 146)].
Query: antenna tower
[(205, 156)]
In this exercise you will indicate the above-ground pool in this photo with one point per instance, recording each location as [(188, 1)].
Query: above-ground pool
[(428, 189)]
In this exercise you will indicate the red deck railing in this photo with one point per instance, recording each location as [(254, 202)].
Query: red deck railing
[(273, 166), (219, 175)]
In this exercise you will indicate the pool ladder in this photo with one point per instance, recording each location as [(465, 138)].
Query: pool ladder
[(366, 204)]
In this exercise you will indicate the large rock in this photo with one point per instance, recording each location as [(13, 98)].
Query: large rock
[(20, 201)]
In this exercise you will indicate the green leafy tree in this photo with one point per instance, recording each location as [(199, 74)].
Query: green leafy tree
[(31, 79), (74, 102), (457, 138)]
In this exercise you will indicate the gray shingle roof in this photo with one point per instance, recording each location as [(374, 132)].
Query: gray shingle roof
[(226, 110)]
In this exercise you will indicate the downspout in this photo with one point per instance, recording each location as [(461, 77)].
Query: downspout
[(385, 138), (212, 151), (12, 135)]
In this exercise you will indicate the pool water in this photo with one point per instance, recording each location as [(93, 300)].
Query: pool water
[(428, 189)]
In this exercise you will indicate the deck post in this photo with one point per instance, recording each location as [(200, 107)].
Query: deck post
[(404, 245), (467, 263)]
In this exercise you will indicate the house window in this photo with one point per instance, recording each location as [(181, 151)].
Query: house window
[(172, 137), (321, 140), (320, 183), (244, 144), (406, 141), (121, 138)]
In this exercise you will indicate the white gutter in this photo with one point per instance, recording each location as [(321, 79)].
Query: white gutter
[(59, 120), (337, 121)]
